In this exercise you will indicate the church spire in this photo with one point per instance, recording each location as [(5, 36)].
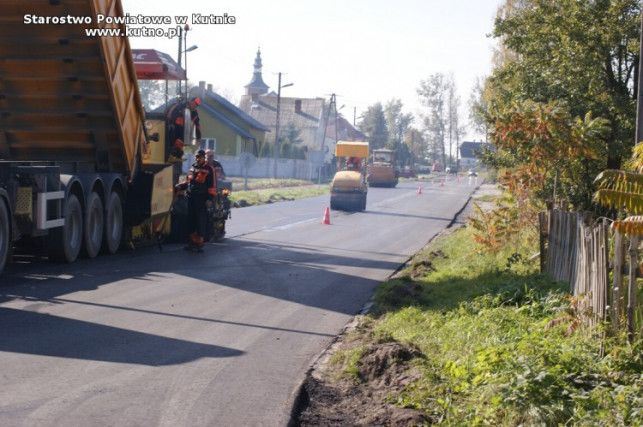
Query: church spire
[(257, 86), (258, 64)]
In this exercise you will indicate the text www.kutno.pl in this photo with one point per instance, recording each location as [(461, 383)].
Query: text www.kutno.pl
[(134, 32)]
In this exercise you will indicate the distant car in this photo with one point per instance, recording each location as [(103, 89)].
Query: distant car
[(406, 172), (472, 172), (451, 169)]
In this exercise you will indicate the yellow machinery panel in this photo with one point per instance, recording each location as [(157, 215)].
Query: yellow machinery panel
[(162, 191), (155, 152), (351, 149)]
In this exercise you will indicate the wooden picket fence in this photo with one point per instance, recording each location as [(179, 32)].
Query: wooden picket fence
[(578, 251)]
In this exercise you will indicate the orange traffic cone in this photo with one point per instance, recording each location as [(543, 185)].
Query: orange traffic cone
[(420, 189), (326, 219)]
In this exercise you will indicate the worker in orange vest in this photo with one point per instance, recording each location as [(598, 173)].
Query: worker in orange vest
[(176, 125), (218, 167), (200, 190), (354, 163)]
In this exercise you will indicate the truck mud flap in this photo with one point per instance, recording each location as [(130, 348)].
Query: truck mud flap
[(139, 198)]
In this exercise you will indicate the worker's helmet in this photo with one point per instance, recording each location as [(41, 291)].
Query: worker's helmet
[(196, 100), (209, 152), (200, 153)]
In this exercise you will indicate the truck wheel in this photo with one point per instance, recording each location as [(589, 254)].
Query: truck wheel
[(93, 231), (5, 237), (113, 223), (64, 242)]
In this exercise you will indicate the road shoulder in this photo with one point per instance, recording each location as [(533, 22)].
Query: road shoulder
[(325, 399)]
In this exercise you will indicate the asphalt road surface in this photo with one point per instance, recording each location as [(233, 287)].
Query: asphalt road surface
[(222, 338)]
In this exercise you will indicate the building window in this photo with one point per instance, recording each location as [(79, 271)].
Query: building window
[(209, 144)]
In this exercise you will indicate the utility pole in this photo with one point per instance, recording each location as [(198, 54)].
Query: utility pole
[(632, 289), (336, 117), (183, 50), (277, 145), (332, 104), (183, 35), (412, 149), (179, 56), (639, 101)]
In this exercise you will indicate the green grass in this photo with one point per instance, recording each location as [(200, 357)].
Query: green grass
[(479, 321), (271, 195), (266, 183), (265, 190), (486, 198)]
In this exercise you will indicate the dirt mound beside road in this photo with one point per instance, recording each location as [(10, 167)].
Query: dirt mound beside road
[(383, 371)]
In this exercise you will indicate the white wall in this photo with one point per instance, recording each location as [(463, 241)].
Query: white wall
[(264, 167)]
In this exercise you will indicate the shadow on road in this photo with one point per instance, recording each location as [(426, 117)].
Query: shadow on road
[(43, 334), (257, 266)]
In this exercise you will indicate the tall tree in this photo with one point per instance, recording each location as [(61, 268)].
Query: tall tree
[(584, 52), (397, 124), (152, 93), (431, 92), (479, 104), (454, 130), (396, 121), (373, 124), (417, 146), (289, 140), (441, 120)]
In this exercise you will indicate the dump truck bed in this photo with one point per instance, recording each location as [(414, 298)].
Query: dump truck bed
[(64, 96)]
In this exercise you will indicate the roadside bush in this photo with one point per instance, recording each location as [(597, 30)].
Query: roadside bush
[(497, 345)]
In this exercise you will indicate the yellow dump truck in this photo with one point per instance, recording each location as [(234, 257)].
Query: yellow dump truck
[(381, 172), (76, 174), (349, 188)]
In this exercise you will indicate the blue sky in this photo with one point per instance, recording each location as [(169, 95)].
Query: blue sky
[(364, 51)]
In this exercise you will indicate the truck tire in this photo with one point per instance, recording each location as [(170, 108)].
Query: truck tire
[(333, 205), (113, 223), (64, 243), (93, 230), (5, 237)]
